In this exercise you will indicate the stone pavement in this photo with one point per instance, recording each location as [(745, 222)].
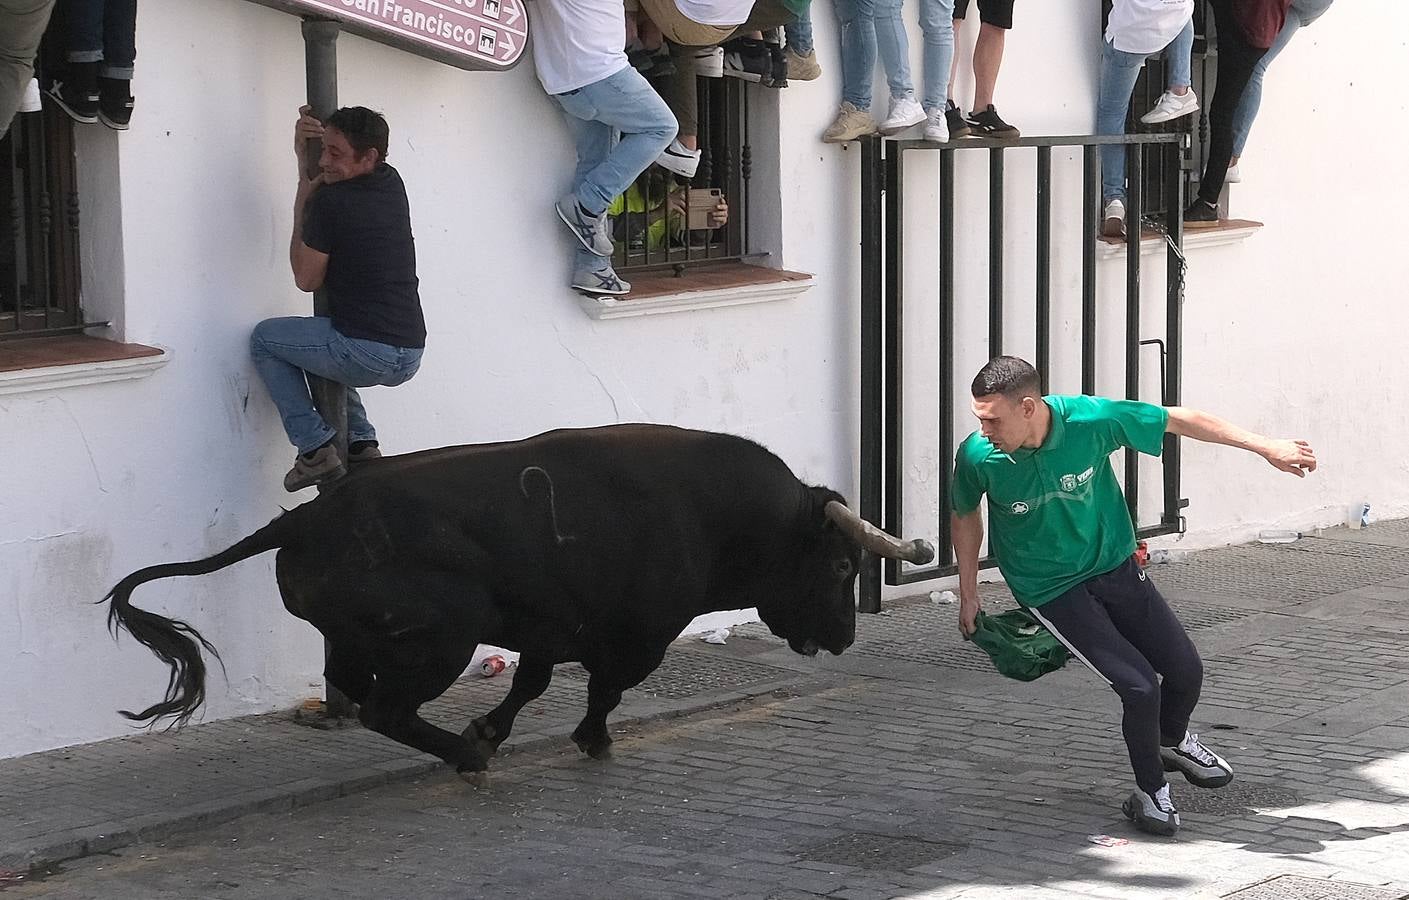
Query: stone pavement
[(905, 767)]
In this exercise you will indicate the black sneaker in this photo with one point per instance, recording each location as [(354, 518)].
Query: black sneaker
[(958, 128), (1198, 764), (1200, 212), (747, 59), (986, 123), (1152, 813), (115, 103), (78, 94), (777, 76)]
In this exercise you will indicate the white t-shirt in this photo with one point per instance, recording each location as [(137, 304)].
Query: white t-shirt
[(715, 12), (1147, 26), (577, 42)]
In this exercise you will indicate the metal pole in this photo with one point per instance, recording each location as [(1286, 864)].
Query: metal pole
[(320, 46), (872, 412), (1090, 222), (893, 342)]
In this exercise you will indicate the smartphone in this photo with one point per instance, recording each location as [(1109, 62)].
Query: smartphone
[(700, 203)]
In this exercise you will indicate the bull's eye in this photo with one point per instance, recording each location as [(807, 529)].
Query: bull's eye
[(842, 568)]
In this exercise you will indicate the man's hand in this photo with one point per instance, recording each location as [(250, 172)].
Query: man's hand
[(719, 216), (1295, 457), (306, 129), (968, 615)]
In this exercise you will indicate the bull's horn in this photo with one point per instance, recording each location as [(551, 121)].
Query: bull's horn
[(873, 539)]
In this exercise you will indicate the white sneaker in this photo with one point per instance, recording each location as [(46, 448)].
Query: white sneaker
[(31, 101), (1155, 814), (1171, 106), (850, 124), (680, 159), (937, 126), (709, 62), (1233, 175), (1200, 765), (1113, 222), (904, 112)]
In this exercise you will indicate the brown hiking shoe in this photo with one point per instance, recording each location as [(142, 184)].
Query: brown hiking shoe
[(362, 451), (323, 467)]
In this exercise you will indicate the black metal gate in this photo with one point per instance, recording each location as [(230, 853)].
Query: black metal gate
[(882, 315)]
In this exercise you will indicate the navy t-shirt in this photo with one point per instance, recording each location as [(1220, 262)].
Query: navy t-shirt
[(364, 225)]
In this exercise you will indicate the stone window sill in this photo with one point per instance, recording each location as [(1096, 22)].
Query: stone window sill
[(1227, 231), (47, 363), (702, 287)]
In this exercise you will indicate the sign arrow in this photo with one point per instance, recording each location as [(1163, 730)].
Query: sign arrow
[(508, 45), (511, 13)]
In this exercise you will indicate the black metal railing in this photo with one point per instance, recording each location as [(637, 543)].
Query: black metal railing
[(39, 282), (652, 230), (883, 321)]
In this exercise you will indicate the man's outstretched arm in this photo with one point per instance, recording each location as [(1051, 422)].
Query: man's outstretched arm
[(1292, 456)]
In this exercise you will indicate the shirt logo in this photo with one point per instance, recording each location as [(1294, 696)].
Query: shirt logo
[(1068, 482), (1019, 508)]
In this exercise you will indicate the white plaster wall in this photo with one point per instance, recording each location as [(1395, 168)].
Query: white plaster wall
[(1298, 331)]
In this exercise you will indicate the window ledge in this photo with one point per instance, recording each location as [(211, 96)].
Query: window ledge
[(1227, 231), (48, 363), (703, 287)]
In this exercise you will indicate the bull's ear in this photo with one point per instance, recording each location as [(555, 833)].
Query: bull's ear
[(820, 497)]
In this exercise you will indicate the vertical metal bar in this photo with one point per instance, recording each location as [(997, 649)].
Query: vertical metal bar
[(946, 351), (1044, 266), (995, 251), (872, 175), (17, 224), (320, 47), (894, 319), (1134, 162), (1090, 222), (1173, 329)]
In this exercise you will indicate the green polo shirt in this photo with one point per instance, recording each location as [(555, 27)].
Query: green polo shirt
[(1056, 516)]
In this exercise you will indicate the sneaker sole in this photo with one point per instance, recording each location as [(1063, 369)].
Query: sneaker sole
[(69, 110), (1199, 780), (113, 124), (889, 130), (668, 163), (326, 477), (598, 292), (572, 226), (1149, 826), (1163, 118)]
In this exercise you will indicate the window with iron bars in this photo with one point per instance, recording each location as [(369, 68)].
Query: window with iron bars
[(652, 232), (39, 275)]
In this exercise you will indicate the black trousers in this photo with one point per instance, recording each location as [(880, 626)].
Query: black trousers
[(1120, 626), (1236, 60)]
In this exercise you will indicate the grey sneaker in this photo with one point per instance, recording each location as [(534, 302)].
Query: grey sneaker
[(1154, 814), (603, 281), (590, 230), (802, 68), (1200, 765), (323, 466)]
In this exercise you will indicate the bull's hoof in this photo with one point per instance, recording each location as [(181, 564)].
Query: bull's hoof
[(479, 779), (597, 749), (483, 736)]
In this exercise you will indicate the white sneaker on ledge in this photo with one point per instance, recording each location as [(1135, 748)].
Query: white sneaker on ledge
[(905, 112), (1171, 106)]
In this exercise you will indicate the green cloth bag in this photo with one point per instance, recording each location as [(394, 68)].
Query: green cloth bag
[(1020, 647)]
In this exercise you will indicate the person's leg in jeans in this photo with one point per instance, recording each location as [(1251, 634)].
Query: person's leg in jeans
[(1179, 60), (1119, 70), (1252, 94), (285, 350), (799, 34), (856, 19), (937, 26), (893, 47), (22, 24), (1236, 60), (623, 103)]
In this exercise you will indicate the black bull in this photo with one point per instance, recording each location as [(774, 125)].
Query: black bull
[(597, 546)]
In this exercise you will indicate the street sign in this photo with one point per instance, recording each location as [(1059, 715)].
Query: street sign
[(467, 34)]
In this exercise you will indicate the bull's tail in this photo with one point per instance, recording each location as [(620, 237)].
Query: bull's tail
[(174, 642)]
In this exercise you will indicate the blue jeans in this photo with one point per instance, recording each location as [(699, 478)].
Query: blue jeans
[(1180, 57), (620, 125), (286, 348), (799, 33), (937, 26), (101, 31), (868, 26), (1302, 12), (1119, 71)]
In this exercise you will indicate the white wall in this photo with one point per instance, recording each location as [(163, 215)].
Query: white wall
[(1295, 331)]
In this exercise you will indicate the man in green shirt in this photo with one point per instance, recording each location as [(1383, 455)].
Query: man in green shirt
[(1061, 533)]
